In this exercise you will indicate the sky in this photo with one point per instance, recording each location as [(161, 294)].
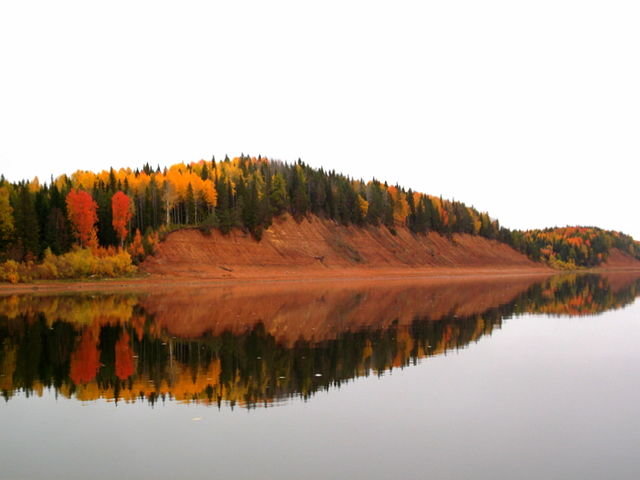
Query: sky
[(527, 110)]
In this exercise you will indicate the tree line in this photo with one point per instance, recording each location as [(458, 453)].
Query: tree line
[(125, 207), (571, 247)]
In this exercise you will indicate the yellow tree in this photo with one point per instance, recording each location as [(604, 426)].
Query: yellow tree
[(400, 205), (6, 216)]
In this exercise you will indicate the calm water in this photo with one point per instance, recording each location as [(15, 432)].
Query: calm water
[(515, 378)]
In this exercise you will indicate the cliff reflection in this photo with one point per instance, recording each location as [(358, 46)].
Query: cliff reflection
[(248, 346)]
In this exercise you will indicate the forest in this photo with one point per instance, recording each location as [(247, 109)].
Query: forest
[(102, 224)]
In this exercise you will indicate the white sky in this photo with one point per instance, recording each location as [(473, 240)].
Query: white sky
[(530, 110)]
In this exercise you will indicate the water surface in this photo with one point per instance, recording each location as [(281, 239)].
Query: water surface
[(513, 378)]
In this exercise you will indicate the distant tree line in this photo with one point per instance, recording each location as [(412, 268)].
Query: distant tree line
[(570, 247)]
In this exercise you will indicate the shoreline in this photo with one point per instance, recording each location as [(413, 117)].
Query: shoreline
[(296, 277)]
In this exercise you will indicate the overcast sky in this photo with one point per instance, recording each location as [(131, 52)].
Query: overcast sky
[(529, 110)]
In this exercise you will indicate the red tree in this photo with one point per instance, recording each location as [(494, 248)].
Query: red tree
[(121, 213), (82, 214)]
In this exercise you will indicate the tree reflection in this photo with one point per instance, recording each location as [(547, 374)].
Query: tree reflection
[(85, 359), (119, 348)]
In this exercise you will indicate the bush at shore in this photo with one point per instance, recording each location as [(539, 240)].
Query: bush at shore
[(78, 263)]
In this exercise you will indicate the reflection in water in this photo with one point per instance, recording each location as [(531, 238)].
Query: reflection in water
[(246, 347)]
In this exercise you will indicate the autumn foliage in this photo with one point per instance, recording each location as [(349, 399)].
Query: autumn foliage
[(124, 363), (78, 263), (571, 247), (85, 360), (103, 209), (121, 213), (85, 346), (136, 249), (82, 214)]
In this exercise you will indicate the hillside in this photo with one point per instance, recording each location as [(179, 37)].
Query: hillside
[(321, 247), (619, 260), (103, 224)]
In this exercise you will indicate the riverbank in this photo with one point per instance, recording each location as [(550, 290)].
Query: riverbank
[(167, 283), (318, 250), (153, 282)]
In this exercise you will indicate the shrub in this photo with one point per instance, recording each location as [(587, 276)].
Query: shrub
[(78, 263), (9, 272)]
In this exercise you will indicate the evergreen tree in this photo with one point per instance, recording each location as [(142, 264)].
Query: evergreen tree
[(376, 207), (190, 206), (58, 231), (6, 219), (278, 194), (223, 209), (411, 217), (43, 207), (299, 193), (106, 234), (250, 210), (26, 223)]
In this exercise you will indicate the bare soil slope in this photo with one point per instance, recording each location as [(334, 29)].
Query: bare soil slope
[(318, 247), (619, 260)]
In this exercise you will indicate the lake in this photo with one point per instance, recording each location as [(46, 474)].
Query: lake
[(514, 377)]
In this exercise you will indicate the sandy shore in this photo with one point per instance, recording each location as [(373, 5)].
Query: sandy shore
[(153, 282)]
